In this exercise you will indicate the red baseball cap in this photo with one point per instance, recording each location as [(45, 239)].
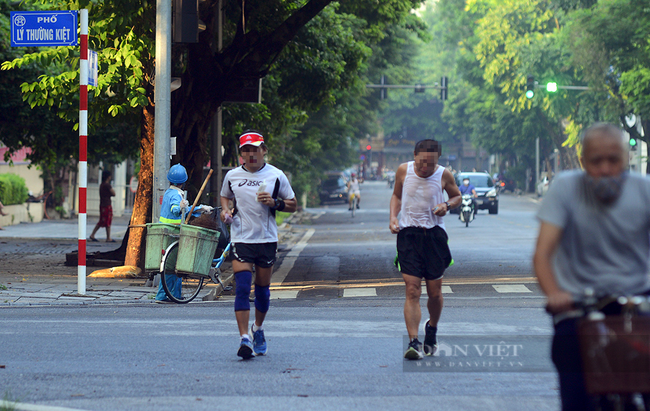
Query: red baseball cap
[(251, 138)]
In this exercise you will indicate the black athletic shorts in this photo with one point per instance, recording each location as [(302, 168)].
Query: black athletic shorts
[(260, 254), (423, 252)]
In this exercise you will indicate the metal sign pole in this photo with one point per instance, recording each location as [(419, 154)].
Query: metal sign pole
[(83, 151), (162, 97)]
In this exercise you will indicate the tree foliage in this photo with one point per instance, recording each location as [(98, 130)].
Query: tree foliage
[(490, 48), (309, 63)]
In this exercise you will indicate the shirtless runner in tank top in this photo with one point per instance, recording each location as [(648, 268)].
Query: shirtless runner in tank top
[(422, 250)]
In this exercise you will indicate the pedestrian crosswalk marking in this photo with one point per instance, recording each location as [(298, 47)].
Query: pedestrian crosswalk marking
[(284, 294), (511, 288), (360, 292)]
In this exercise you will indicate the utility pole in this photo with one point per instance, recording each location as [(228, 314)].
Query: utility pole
[(217, 125), (536, 163), (162, 101)]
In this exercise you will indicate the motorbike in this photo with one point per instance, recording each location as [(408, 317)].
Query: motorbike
[(466, 209)]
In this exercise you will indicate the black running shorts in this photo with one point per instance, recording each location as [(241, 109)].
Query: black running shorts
[(260, 254), (423, 252)]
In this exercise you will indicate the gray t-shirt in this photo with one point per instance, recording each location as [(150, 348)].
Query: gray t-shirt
[(606, 248)]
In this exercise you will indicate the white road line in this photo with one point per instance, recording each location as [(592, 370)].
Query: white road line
[(297, 249), (9, 405), (317, 216), (446, 289), (360, 292), (287, 264), (284, 294), (511, 288)]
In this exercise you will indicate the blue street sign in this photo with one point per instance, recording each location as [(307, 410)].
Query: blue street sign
[(92, 68), (44, 28)]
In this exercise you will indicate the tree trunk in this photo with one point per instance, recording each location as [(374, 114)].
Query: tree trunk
[(143, 198), (193, 107), (646, 138), (210, 78)]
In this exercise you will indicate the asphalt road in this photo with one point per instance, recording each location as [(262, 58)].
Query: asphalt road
[(357, 251), (335, 331)]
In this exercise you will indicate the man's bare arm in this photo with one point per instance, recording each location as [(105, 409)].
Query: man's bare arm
[(449, 185), (225, 208), (290, 205), (396, 198)]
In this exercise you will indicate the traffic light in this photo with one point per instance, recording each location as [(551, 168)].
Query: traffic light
[(530, 87), (551, 87), (633, 144), (443, 88), (383, 92), (368, 147)]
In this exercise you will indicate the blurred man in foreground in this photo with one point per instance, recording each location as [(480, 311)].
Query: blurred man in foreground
[(594, 235)]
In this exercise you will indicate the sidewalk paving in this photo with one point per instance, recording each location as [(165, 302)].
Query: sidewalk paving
[(49, 289), (65, 229)]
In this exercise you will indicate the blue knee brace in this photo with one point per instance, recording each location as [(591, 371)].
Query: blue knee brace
[(243, 290), (262, 297)]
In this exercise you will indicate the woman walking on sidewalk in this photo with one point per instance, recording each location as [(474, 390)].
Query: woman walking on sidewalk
[(105, 207)]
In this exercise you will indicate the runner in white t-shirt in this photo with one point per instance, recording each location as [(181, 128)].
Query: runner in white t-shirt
[(258, 190)]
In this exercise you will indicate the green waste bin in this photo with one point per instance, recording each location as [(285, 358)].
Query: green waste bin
[(159, 237), (196, 249)]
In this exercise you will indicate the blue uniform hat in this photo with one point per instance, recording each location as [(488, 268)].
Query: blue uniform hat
[(177, 174)]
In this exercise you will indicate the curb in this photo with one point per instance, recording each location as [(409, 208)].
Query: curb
[(123, 271)]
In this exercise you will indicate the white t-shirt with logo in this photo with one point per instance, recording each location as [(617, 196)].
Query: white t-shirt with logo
[(254, 222)]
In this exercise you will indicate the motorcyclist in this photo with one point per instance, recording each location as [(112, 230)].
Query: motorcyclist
[(467, 188), (390, 176)]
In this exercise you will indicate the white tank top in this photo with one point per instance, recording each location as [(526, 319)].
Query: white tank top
[(354, 186), (419, 197)]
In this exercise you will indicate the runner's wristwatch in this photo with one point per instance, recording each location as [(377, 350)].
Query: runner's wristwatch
[(447, 202), (279, 205)]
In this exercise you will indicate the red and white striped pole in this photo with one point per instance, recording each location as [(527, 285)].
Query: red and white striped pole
[(83, 151)]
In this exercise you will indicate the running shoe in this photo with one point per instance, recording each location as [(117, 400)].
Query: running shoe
[(259, 342), (414, 351), (430, 341), (245, 349)]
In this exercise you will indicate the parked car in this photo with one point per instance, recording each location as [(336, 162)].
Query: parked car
[(333, 189), (487, 193)]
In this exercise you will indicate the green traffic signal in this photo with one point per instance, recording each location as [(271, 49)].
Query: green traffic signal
[(530, 86), (632, 142), (551, 87)]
